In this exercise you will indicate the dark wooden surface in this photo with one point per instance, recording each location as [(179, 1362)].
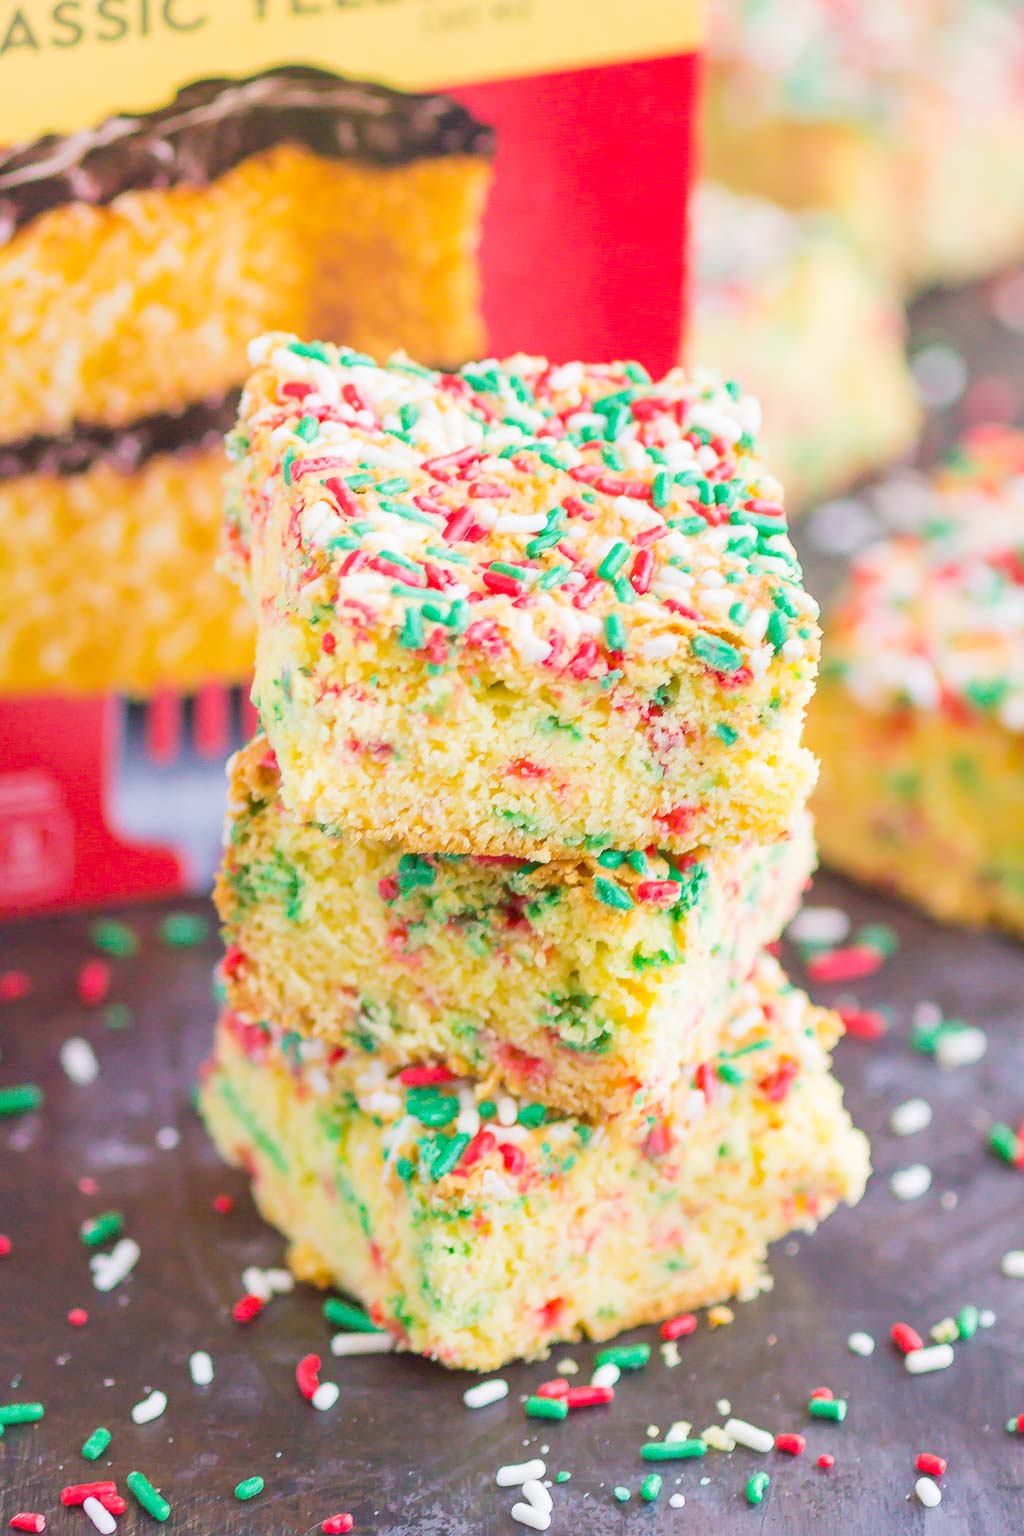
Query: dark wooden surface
[(399, 1449)]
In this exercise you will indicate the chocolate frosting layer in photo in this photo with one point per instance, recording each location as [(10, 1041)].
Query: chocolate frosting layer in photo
[(212, 125), (124, 449)]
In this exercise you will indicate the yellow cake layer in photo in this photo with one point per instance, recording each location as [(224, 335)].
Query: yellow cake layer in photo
[(587, 984), (522, 609), (114, 312), (785, 301), (905, 121), (479, 1232), (109, 579), (920, 716)]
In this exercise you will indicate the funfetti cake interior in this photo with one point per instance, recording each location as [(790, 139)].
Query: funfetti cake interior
[(520, 609)]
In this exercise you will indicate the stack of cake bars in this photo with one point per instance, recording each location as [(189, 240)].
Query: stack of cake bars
[(502, 1046)]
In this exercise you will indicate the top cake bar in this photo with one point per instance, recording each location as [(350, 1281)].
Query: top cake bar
[(521, 609)]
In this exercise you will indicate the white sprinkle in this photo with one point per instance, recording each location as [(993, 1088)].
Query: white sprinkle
[(680, 1430), (861, 1344), (362, 1344), (819, 925), (255, 1283), (986, 1318), (281, 1281), (961, 1047), (670, 1354), (911, 1183), (515, 1473), (485, 1393), (78, 1059), (909, 1118), (536, 1519), (677, 1500), (101, 1518), (724, 1407), (606, 1375), (150, 1408), (536, 1494), (928, 1491), (567, 1368), (508, 1109), (940, 374), (1013, 1264), (717, 1438), (326, 1395), (658, 648), (750, 1435), (200, 1368), (109, 1269), (934, 1357), (167, 1138)]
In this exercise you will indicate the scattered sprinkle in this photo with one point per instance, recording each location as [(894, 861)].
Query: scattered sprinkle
[(935, 1357), (861, 1344), (150, 1407), (152, 1502), (928, 1492), (911, 1183), (249, 1488), (200, 1368), (485, 1393)]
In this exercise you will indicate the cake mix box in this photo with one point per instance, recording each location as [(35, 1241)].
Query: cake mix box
[(458, 178)]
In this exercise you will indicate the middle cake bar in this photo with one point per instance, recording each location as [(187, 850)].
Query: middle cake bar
[(587, 985)]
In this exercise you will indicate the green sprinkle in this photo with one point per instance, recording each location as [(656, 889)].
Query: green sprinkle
[(623, 1495), (342, 1314), (409, 415), (727, 1073), (98, 1230), (878, 936), (757, 1487), (517, 572), (614, 560), (287, 459), (414, 870), (777, 631), (739, 613), (444, 1153), (726, 733), (833, 1408), (96, 1444), (717, 653), (615, 632), (308, 428), (628, 1357), (114, 938), (411, 634), (612, 894), (562, 1477), (156, 1505), (650, 1487), (661, 489), (183, 930), (20, 1099), (968, 1320), (249, 1487), (531, 1115), (1004, 1142), (432, 1108), (553, 577), (487, 1109), (21, 1413), (547, 1408), (674, 1450), (394, 486), (310, 349)]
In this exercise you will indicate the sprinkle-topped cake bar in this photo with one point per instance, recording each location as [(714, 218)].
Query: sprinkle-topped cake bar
[(521, 609), (478, 1236), (920, 716), (588, 984)]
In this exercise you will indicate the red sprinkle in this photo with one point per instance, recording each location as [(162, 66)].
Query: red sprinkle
[(864, 1023), (777, 1084), (222, 1204), (658, 893), (499, 581), (94, 981), (928, 1462), (423, 1077), (825, 1461), (14, 984), (678, 1327), (113, 1503), (5, 1245), (906, 1339), (793, 1445), (825, 1393), (77, 1493), (27, 1522), (337, 1525), (642, 571), (849, 964), (78, 1317), (307, 1375), (245, 1310), (558, 1387), (588, 1397)]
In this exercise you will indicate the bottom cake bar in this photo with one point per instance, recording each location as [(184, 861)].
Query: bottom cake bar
[(479, 1231)]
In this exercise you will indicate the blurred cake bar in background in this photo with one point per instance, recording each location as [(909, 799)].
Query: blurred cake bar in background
[(905, 119), (590, 983), (479, 1229), (784, 301), (919, 718), (136, 261)]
